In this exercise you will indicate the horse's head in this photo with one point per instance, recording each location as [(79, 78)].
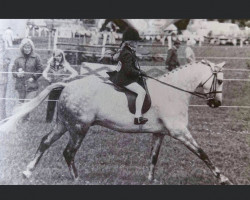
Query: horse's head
[(212, 84)]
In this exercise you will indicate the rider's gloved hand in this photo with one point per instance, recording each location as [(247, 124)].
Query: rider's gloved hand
[(142, 73)]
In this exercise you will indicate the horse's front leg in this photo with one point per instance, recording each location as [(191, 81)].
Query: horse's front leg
[(157, 141), (181, 133)]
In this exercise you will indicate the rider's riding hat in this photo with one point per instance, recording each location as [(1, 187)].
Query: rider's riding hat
[(131, 34)]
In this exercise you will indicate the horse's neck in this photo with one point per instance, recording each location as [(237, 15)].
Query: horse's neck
[(187, 77)]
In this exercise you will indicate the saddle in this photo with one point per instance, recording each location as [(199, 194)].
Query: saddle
[(131, 96)]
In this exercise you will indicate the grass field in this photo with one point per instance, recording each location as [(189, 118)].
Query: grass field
[(108, 157)]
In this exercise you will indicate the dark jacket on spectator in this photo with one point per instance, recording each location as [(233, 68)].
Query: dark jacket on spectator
[(172, 59), (31, 63)]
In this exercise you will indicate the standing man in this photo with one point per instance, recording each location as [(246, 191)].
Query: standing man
[(26, 70), (172, 59), (189, 53), (8, 37)]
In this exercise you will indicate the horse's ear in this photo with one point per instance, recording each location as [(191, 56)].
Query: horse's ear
[(220, 65)]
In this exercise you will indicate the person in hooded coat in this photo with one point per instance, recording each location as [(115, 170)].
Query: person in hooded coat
[(26, 70)]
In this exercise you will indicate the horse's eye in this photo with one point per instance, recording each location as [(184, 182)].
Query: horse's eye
[(220, 82)]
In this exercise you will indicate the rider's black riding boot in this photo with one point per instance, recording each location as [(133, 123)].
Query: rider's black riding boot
[(140, 120)]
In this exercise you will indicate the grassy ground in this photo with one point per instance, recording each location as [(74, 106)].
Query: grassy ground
[(109, 157)]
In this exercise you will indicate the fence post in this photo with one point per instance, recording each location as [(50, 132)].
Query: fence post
[(49, 40), (84, 39), (169, 42), (55, 39), (33, 31), (104, 43), (3, 81), (241, 42)]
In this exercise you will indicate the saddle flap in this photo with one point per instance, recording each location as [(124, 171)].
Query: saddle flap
[(131, 96)]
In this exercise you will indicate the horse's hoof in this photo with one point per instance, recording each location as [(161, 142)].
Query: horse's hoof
[(27, 174), (150, 178), (225, 181), (76, 179)]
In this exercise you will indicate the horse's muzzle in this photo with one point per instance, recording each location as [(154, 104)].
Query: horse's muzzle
[(213, 103)]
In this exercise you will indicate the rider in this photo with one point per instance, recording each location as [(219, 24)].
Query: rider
[(130, 75)]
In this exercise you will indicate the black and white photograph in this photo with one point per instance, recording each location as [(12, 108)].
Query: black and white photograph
[(124, 101)]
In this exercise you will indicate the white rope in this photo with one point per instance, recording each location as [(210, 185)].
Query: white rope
[(48, 73), (240, 70), (15, 99), (236, 80), (152, 55), (220, 106), (82, 75)]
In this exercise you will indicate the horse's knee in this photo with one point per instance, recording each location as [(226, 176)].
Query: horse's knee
[(45, 143), (67, 155), (154, 158)]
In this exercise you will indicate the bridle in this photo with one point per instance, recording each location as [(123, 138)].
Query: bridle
[(208, 96), (213, 88)]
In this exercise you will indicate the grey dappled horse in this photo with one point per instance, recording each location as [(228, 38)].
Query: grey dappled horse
[(89, 101)]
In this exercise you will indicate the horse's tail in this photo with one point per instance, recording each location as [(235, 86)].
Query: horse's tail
[(10, 123)]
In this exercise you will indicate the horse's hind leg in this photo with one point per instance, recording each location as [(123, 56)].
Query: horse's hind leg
[(75, 141), (157, 141), (46, 142), (186, 138)]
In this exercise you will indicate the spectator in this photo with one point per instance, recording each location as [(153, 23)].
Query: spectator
[(172, 58), (189, 53), (26, 70), (56, 72), (8, 37)]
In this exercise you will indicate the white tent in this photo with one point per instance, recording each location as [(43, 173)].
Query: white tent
[(152, 26)]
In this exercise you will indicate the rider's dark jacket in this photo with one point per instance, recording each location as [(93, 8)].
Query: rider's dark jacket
[(129, 72)]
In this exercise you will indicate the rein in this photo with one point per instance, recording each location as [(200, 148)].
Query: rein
[(198, 94)]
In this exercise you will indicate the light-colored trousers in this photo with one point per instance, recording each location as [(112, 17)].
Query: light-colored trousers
[(141, 93)]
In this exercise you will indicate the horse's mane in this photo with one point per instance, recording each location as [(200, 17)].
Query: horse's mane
[(178, 69)]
